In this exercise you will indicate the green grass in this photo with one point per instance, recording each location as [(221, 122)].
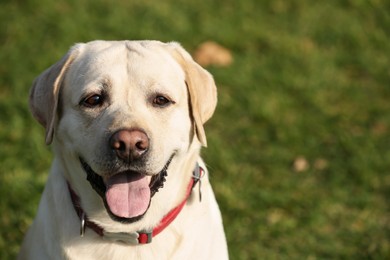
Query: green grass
[(309, 79)]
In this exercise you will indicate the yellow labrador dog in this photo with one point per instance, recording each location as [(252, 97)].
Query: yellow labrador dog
[(125, 119)]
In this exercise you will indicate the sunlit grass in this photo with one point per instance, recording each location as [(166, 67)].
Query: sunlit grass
[(309, 80)]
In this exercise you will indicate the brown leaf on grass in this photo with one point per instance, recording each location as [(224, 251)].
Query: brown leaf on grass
[(275, 216), (321, 164), (211, 53), (300, 164), (379, 129)]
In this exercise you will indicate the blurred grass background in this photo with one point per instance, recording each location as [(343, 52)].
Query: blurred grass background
[(299, 145)]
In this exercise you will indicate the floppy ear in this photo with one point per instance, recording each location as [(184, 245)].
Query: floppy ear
[(201, 88), (45, 91)]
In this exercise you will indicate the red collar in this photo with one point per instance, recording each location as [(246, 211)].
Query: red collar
[(140, 237)]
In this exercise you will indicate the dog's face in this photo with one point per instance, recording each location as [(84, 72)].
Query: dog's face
[(111, 89), (122, 113)]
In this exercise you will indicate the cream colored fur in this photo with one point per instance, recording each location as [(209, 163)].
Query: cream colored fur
[(130, 73)]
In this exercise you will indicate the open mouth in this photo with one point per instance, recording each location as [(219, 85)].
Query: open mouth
[(126, 195)]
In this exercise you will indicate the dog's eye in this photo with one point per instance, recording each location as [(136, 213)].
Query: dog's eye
[(93, 101), (161, 101)]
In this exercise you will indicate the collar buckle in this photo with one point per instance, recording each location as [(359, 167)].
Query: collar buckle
[(132, 238), (122, 237), (197, 176)]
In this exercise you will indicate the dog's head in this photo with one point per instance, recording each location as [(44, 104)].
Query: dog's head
[(124, 112)]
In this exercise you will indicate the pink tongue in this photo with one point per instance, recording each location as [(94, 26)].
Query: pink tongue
[(128, 194)]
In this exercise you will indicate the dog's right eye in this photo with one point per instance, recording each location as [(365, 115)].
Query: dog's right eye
[(92, 101)]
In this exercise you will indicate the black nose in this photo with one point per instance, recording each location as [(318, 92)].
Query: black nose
[(129, 144)]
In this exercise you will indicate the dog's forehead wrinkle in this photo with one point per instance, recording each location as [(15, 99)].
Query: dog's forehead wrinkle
[(131, 48)]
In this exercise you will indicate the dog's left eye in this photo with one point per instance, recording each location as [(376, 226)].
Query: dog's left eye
[(161, 101), (92, 101)]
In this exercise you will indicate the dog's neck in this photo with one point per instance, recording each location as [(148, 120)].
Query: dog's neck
[(139, 237)]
